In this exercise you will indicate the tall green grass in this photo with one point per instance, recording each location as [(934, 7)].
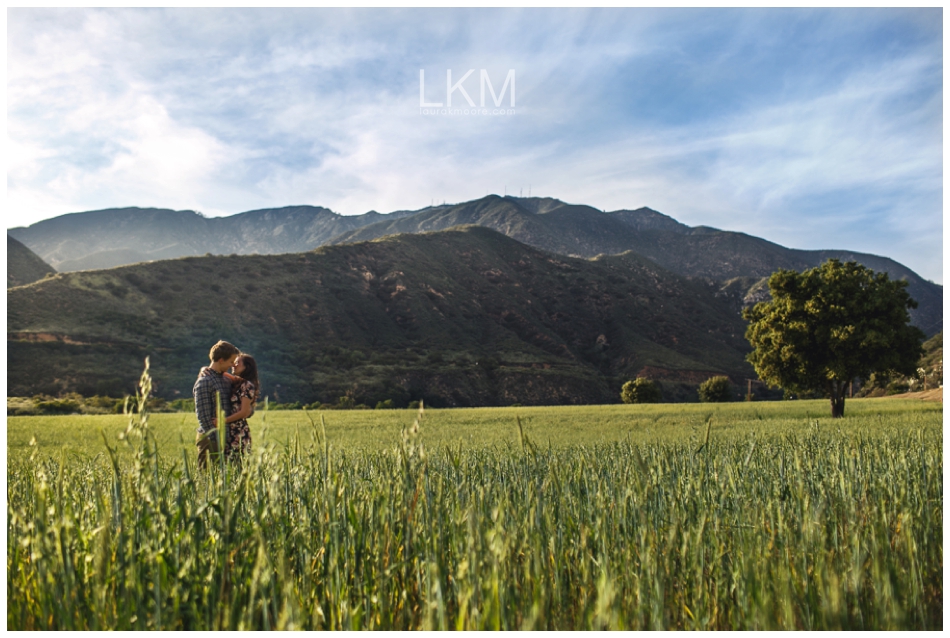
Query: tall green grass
[(812, 529)]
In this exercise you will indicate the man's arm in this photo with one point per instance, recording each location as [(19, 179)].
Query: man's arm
[(205, 407)]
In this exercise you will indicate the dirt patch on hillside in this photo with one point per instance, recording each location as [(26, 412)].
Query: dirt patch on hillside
[(926, 395)]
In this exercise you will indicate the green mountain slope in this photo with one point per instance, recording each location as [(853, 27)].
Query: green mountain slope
[(463, 317), (23, 265)]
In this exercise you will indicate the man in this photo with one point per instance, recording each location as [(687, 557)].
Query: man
[(210, 385)]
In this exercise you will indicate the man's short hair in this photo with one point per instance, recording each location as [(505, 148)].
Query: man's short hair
[(222, 350)]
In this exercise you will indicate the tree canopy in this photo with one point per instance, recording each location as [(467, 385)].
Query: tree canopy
[(828, 325), (640, 390), (716, 390)]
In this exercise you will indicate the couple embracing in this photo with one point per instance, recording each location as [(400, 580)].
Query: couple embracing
[(238, 391)]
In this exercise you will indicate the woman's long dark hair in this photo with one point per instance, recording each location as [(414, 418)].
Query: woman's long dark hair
[(250, 373)]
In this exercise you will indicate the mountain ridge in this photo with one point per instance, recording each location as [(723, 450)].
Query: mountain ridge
[(718, 256)]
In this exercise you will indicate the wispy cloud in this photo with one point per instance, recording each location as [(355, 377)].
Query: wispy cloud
[(813, 128)]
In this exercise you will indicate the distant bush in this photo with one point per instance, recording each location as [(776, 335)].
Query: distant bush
[(72, 403), (59, 406), (158, 404), (716, 390), (182, 405), (640, 390), (296, 405), (343, 403), (20, 406), (413, 405), (898, 386), (133, 279), (107, 403), (788, 395), (385, 405)]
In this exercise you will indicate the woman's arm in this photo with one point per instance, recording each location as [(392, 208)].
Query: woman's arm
[(247, 407)]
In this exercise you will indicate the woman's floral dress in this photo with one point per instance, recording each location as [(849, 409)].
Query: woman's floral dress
[(239, 433)]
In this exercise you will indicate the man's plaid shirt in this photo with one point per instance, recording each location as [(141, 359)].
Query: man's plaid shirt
[(208, 384)]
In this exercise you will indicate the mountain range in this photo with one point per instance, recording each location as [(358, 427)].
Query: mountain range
[(733, 262), (496, 301), (465, 316)]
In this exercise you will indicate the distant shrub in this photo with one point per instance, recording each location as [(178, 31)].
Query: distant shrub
[(898, 387), (116, 289), (715, 390), (20, 406), (59, 406), (788, 395), (182, 405), (488, 364), (640, 390), (101, 405), (413, 405), (158, 404), (316, 405), (285, 406), (385, 405)]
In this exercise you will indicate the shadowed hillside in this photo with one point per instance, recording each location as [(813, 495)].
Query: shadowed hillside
[(464, 317), (700, 252), (23, 265), (103, 239)]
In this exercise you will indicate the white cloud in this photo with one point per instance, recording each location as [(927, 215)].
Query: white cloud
[(233, 110)]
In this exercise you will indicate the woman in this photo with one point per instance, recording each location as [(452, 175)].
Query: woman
[(245, 388)]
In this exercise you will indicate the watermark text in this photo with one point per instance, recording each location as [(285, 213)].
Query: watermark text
[(445, 108)]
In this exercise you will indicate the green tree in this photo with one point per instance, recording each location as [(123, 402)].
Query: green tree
[(828, 325), (640, 390), (716, 390)]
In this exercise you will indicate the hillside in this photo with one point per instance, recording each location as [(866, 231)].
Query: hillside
[(463, 317), (699, 252), (103, 239), (23, 265)]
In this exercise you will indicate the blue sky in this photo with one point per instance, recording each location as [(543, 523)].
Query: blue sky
[(812, 128)]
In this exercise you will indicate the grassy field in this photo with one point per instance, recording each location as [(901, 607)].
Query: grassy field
[(561, 426), (736, 516)]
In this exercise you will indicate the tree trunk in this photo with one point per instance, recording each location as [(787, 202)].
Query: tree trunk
[(836, 391)]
